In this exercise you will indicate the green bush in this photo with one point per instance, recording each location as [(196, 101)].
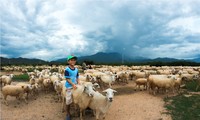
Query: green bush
[(22, 77)]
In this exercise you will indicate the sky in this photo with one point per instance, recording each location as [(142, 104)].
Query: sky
[(53, 29)]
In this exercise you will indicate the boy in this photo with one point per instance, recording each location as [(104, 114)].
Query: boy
[(71, 75)]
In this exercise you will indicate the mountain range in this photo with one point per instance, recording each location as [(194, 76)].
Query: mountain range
[(114, 57), (99, 57), (20, 61)]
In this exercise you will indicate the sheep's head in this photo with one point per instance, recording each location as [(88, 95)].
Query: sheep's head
[(32, 76), (89, 89), (11, 75), (36, 86), (96, 85), (195, 77), (30, 87), (109, 94)]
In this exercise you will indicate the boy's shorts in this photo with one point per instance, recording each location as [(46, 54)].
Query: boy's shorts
[(68, 96)]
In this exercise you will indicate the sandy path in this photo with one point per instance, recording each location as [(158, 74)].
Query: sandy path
[(127, 105)]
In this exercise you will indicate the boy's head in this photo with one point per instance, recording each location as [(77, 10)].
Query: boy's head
[(71, 60)]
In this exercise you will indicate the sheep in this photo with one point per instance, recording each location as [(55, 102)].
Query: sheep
[(100, 103), (32, 80), (30, 74), (82, 96), (39, 80), (141, 81), (161, 82), (108, 79), (35, 89), (46, 84), (63, 94), (140, 74), (79, 95), (123, 76), (178, 83), (29, 88), (58, 88), (13, 90), (187, 77), (164, 72), (6, 80), (54, 77)]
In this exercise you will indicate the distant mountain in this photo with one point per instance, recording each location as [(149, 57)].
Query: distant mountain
[(114, 57), (104, 58), (196, 59), (20, 61), (165, 59), (100, 57)]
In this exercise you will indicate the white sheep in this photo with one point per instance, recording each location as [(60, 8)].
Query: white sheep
[(58, 88), (82, 96), (55, 77), (6, 80), (39, 80), (32, 79), (108, 79), (100, 103), (122, 76), (161, 82), (46, 84), (13, 90)]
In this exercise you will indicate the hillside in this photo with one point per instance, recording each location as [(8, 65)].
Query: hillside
[(20, 61)]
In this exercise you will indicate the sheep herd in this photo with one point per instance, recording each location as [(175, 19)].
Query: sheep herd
[(95, 82)]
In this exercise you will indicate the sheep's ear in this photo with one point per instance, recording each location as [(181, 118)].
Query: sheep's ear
[(104, 91), (114, 91), (96, 84)]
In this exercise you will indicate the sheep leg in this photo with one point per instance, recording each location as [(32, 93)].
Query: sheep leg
[(24, 97), (97, 114), (104, 116), (81, 114), (59, 98), (63, 104), (139, 88), (5, 101), (94, 113), (27, 95), (135, 87)]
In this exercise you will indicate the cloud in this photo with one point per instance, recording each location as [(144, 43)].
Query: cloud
[(54, 29)]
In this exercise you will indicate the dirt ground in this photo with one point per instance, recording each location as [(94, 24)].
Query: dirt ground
[(127, 105)]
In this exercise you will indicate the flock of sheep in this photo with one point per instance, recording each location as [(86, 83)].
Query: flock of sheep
[(94, 82)]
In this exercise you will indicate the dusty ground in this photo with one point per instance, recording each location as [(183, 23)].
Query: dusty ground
[(127, 105)]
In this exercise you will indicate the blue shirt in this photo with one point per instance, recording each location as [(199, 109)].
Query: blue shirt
[(71, 74)]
